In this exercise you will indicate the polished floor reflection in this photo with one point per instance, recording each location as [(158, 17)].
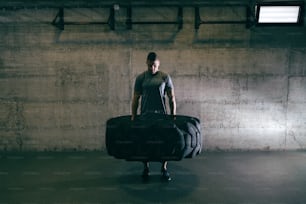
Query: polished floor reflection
[(95, 177)]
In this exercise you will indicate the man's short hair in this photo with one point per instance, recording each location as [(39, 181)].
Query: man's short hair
[(152, 56)]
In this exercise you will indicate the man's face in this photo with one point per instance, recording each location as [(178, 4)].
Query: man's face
[(153, 66)]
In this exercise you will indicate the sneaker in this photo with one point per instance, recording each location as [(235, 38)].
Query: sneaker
[(145, 174), (165, 176)]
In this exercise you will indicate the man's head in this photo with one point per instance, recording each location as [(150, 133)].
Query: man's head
[(153, 63)]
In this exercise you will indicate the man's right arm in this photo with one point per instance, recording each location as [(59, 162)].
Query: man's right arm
[(135, 104)]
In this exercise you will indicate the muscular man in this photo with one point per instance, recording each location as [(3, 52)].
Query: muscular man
[(152, 86)]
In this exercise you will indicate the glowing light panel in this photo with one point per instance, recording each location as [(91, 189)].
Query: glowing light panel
[(278, 14)]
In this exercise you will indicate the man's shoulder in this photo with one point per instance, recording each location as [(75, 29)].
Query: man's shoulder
[(141, 75), (164, 75)]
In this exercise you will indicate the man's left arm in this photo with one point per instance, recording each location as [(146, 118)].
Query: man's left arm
[(172, 102)]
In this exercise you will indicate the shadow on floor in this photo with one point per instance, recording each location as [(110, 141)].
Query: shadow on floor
[(154, 190)]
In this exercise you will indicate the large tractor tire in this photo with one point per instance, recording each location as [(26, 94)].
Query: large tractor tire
[(154, 137)]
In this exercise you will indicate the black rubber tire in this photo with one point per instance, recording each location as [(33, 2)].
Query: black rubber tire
[(153, 137)]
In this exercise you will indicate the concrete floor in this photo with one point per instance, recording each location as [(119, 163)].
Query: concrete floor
[(95, 177)]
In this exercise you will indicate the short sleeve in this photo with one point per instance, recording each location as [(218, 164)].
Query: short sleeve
[(169, 84), (138, 83)]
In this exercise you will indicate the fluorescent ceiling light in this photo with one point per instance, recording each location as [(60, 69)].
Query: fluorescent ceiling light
[(279, 13)]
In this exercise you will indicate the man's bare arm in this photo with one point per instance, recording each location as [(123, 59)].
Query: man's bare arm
[(135, 104), (172, 102)]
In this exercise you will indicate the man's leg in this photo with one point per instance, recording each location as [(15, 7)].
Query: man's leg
[(164, 172), (146, 170)]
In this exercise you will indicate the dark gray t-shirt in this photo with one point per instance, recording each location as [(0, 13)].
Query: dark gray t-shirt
[(152, 89)]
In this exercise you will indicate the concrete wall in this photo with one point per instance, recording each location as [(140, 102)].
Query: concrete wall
[(58, 88)]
